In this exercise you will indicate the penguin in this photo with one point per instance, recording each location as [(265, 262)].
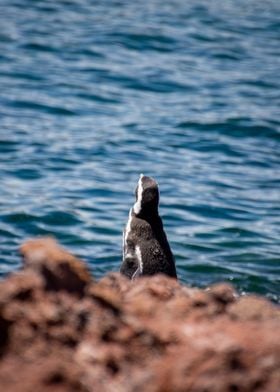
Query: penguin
[(146, 250)]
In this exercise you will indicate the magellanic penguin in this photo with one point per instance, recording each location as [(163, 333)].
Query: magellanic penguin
[(145, 247)]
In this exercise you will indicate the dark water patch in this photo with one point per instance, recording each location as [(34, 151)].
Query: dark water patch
[(207, 269), (35, 46), (149, 84), (46, 8), (258, 284), (233, 127), (143, 42), (261, 84), (160, 87), (202, 37), (88, 52), (227, 56), (23, 75), (201, 248), (27, 174), (224, 148), (18, 218), (6, 234), (8, 146), (97, 98), (60, 218), (65, 160), (41, 107), (6, 38)]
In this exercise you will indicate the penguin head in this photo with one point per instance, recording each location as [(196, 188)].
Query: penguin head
[(147, 196)]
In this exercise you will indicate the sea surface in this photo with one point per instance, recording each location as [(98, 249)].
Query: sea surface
[(93, 93)]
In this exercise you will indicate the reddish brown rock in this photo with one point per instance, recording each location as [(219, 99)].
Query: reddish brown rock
[(222, 293), (151, 335), (253, 308), (20, 286), (60, 270)]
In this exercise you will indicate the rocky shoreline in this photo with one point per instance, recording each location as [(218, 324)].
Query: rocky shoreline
[(60, 330)]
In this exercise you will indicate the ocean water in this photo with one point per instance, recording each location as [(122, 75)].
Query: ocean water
[(93, 93)]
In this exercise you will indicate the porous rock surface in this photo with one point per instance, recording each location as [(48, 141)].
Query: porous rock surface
[(60, 330)]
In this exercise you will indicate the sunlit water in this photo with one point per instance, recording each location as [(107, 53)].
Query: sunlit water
[(93, 93)]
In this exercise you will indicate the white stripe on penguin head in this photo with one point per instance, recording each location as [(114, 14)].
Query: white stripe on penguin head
[(138, 205), (126, 233)]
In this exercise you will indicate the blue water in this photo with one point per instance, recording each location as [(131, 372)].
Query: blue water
[(93, 93)]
